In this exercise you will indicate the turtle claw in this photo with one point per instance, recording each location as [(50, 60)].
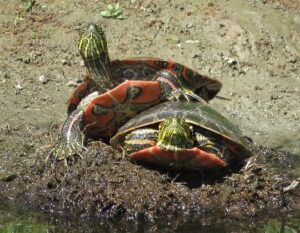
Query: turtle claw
[(174, 89), (186, 94), (123, 152), (63, 152), (69, 146), (61, 157), (194, 96)]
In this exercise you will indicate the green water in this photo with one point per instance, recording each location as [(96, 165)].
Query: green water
[(13, 221), (21, 221)]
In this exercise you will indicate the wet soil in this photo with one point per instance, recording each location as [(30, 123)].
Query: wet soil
[(251, 46), (105, 186)]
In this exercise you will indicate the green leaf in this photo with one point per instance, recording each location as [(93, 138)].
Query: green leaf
[(120, 17), (116, 13), (110, 7), (106, 14), (113, 11)]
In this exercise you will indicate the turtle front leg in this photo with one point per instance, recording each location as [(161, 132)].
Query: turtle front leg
[(71, 138), (174, 88), (212, 145)]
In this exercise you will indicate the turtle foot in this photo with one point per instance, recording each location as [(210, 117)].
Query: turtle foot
[(71, 140), (61, 157), (174, 89), (185, 94), (65, 152)]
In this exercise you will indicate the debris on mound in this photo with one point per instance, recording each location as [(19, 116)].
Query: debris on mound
[(105, 185)]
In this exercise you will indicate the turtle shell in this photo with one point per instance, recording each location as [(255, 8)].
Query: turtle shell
[(145, 68), (198, 115)]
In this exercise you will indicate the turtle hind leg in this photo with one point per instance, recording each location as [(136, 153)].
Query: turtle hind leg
[(174, 88), (71, 139), (187, 94)]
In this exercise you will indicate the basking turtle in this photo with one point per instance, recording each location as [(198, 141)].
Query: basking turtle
[(103, 109), (104, 74), (184, 135)]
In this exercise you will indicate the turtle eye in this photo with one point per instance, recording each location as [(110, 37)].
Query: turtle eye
[(191, 129), (182, 121), (163, 124)]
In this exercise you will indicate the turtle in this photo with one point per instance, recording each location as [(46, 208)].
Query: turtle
[(104, 74), (114, 92), (182, 135)]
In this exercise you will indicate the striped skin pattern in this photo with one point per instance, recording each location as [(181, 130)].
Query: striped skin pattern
[(175, 135), (92, 47), (105, 113), (172, 143), (93, 50), (140, 139), (190, 135), (151, 81), (104, 74), (71, 139)]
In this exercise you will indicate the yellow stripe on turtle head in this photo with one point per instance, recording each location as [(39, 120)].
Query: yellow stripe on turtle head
[(92, 42), (175, 135), (93, 50)]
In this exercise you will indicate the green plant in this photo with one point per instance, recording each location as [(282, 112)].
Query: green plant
[(113, 11), (29, 4)]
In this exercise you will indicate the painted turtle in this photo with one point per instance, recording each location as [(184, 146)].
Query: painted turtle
[(104, 74), (184, 135), (101, 113)]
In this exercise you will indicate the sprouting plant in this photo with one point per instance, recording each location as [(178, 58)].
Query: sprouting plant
[(18, 18), (29, 4), (113, 11)]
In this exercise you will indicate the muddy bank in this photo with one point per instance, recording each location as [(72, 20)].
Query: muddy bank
[(104, 185)]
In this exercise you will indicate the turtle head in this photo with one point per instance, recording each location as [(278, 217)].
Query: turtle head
[(175, 134), (92, 46)]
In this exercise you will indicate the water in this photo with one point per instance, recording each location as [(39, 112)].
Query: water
[(21, 221)]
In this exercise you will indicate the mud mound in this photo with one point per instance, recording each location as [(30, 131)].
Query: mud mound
[(105, 185)]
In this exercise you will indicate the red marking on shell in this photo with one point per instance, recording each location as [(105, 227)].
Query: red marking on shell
[(117, 94), (91, 120), (195, 157), (76, 97), (184, 75), (170, 65), (152, 62), (150, 94), (132, 61)]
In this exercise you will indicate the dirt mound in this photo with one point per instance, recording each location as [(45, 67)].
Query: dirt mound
[(105, 185)]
